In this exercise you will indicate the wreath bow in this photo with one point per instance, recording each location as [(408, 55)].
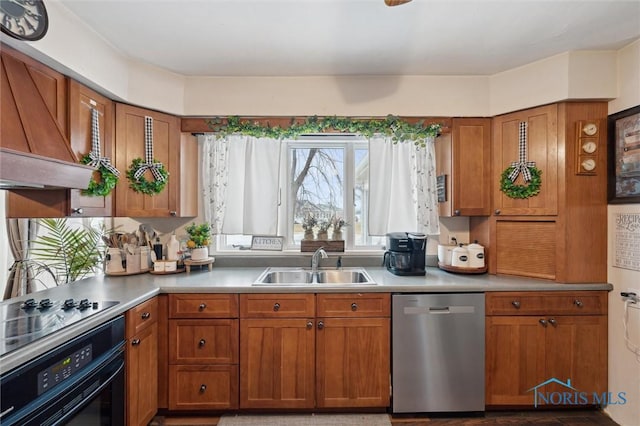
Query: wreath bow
[(530, 173), (522, 165), (148, 154)]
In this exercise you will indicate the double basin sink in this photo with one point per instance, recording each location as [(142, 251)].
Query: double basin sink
[(304, 276)]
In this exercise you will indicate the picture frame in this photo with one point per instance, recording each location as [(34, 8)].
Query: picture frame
[(623, 141), (266, 242)]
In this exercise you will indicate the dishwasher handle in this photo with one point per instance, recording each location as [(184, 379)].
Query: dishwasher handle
[(438, 310)]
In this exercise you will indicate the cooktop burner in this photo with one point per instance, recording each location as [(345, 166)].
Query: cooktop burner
[(24, 322)]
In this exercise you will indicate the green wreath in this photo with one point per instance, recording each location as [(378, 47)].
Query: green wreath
[(108, 181), (142, 185), (512, 190)]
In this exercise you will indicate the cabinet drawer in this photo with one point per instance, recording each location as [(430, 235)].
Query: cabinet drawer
[(203, 341), (277, 305), (354, 305), (203, 387), (141, 316), (547, 303), (203, 306)]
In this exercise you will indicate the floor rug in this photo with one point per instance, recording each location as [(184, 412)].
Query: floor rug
[(306, 420)]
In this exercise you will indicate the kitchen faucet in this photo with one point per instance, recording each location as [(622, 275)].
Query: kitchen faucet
[(315, 259)]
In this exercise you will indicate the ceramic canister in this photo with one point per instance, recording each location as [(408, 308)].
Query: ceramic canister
[(445, 253), (460, 257), (476, 255)]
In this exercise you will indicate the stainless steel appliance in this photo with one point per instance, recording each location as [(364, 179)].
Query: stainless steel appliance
[(405, 253), (438, 352)]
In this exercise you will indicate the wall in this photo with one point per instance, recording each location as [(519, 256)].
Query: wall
[(624, 367)]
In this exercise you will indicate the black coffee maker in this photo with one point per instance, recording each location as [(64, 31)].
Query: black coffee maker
[(405, 253)]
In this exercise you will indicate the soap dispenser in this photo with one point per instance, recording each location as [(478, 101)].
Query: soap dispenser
[(173, 247)]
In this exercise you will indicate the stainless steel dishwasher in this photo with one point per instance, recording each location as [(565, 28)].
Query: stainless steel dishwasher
[(438, 352)]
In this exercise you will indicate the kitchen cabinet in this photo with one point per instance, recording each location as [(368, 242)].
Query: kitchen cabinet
[(176, 151), (293, 357), (561, 233), (535, 336), (142, 363), (203, 351), (463, 160)]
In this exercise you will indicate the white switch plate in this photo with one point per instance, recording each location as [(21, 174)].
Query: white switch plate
[(637, 292)]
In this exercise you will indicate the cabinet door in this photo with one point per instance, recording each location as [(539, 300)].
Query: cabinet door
[(277, 363), (353, 362), (81, 101), (142, 376), (542, 147), (130, 144), (515, 359), (576, 349)]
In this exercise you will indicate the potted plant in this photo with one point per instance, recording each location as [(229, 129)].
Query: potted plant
[(337, 223), (323, 229), (199, 238), (308, 224)]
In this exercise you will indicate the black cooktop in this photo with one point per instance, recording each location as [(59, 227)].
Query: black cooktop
[(22, 323)]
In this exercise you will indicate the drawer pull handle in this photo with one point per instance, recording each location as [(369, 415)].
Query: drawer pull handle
[(456, 212), (354, 307), (135, 342), (553, 322), (578, 303), (516, 304), (320, 325), (203, 388), (146, 315), (309, 325), (543, 322), (276, 307), (202, 342), (202, 306), (497, 211)]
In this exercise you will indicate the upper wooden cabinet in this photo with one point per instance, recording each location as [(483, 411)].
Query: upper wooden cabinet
[(464, 158), (175, 151), (542, 148), (81, 101)]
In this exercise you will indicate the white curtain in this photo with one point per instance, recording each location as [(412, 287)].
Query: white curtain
[(402, 187), (241, 184)]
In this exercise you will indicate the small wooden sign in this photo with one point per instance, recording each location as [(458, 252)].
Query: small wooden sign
[(328, 245), (265, 242)]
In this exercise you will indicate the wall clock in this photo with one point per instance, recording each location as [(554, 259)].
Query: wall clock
[(24, 19)]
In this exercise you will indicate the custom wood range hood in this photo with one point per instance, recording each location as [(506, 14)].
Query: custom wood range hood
[(34, 151)]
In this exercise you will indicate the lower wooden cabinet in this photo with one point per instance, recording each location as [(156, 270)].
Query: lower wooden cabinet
[(560, 336), (142, 363), (203, 387), (294, 357)]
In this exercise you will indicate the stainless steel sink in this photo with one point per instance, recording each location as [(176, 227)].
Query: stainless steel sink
[(304, 276)]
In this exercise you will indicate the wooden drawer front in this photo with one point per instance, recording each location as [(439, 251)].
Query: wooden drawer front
[(354, 305), (277, 305), (547, 303), (203, 306), (526, 248), (203, 387), (141, 316), (203, 342)]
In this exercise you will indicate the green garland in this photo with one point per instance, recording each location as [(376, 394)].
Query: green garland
[(512, 190), (108, 181), (399, 129), (143, 185)]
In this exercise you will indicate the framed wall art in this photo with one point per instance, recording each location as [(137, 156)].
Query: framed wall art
[(623, 130)]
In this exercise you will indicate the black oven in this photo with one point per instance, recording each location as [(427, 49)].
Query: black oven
[(79, 383)]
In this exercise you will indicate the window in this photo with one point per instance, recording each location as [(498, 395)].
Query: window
[(325, 176)]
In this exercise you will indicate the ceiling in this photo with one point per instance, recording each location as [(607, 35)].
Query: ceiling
[(355, 37)]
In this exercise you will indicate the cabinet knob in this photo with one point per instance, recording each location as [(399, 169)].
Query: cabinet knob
[(77, 210), (202, 342), (173, 213), (553, 322), (202, 306), (146, 315), (354, 307), (203, 388), (309, 325), (516, 304), (135, 342), (276, 307), (320, 325), (497, 211), (456, 212), (543, 322), (578, 303)]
